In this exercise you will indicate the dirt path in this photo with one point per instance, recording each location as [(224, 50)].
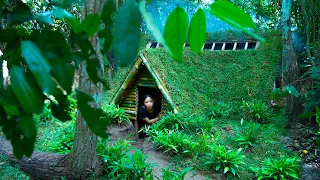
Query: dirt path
[(162, 160)]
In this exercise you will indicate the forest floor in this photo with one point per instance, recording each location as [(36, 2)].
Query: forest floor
[(301, 140)]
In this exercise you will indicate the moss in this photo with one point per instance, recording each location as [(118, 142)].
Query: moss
[(214, 75)]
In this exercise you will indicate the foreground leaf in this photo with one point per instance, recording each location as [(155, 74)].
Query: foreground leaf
[(151, 24), (109, 9), (197, 31), (175, 32), (234, 16), (91, 115), (127, 33), (29, 96), (90, 24)]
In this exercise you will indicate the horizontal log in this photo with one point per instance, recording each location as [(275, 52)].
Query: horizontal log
[(148, 85), (132, 118), (128, 105), (132, 96), (131, 112), (130, 109)]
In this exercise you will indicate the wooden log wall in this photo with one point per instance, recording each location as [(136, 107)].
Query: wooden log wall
[(128, 99)]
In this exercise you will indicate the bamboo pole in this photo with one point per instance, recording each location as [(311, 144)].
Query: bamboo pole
[(159, 83), (127, 80)]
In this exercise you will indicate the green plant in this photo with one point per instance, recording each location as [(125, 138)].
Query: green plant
[(283, 168), (248, 135), (169, 174), (46, 115), (225, 160), (220, 109), (120, 164), (62, 140), (170, 120), (115, 114), (257, 110), (199, 124)]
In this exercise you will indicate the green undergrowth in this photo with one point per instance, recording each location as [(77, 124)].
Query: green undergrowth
[(228, 144), (9, 172)]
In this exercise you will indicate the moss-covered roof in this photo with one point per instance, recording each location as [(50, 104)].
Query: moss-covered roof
[(214, 75)]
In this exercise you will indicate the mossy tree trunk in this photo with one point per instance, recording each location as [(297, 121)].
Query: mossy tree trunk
[(83, 158), (290, 69)]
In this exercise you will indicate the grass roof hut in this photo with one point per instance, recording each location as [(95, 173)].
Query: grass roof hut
[(227, 70)]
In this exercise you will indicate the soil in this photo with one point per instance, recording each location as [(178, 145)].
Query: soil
[(154, 156)]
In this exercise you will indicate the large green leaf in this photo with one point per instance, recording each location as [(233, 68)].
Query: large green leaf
[(64, 74), (44, 18), (28, 127), (292, 90), (21, 13), (91, 115), (29, 96), (39, 67), (93, 68), (175, 32), (90, 24), (234, 16), (63, 14), (151, 24), (17, 147), (11, 110), (197, 31), (108, 10), (60, 112), (127, 33)]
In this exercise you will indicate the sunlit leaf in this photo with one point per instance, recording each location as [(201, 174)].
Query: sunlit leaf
[(127, 33), (44, 18), (90, 24), (175, 32), (197, 31), (91, 115), (234, 16), (28, 95), (292, 90), (63, 14), (151, 24)]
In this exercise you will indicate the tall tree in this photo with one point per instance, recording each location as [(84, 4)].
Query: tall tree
[(289, 68), (84, 149)]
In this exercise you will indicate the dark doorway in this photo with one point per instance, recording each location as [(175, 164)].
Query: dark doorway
[(155, 92)]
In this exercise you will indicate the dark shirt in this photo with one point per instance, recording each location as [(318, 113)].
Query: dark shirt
[(143, 113)]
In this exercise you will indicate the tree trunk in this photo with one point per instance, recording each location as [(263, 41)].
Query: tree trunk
[(307, 29), (317, 58), (40, 165), (83, 157), (290, 69)]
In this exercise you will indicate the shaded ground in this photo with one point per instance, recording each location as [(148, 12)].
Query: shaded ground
[(302, 141)]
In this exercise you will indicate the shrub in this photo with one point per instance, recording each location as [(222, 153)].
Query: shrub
[(224, 160), (283, 168), (168, 174), (257, 110), (120, 164), (46, 114), (170, 121), (219, 109), (248, 135), (115, 114), (62, 140), (171, 141), (199, 124)]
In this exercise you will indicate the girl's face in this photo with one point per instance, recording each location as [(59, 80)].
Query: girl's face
[(148, 103)]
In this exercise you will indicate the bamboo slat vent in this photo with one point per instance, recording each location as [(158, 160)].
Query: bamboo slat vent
[(218, 46)]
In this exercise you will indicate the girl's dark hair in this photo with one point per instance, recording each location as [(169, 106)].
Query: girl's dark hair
[(147, 95)]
